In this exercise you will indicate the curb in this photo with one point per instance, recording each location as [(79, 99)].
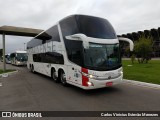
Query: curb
[(144, 84), (8, 73)]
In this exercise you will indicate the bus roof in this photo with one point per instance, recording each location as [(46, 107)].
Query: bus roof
[(20, 52)]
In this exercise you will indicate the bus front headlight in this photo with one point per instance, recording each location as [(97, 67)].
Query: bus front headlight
[(89, 75), (92, 76), (90, 84), (120, 72)]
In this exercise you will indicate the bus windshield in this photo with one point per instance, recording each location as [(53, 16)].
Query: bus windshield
[(7, 57), (21, 56), (102, 57)]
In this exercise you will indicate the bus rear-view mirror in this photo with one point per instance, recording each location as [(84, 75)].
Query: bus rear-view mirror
[(131, 44), (79, 37)]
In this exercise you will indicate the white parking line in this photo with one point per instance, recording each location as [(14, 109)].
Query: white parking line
[(0, 84)]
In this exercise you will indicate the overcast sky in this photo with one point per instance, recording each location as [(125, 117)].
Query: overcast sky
[(125, 15)]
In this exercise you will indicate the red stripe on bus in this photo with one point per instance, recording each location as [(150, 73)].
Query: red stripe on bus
[(85, 70), (84, 78)]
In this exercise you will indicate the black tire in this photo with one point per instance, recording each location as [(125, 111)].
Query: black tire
[(32, 69), (63, 78), (54, 77)]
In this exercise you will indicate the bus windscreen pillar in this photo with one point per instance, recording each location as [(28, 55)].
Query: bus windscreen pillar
[(4, 60)]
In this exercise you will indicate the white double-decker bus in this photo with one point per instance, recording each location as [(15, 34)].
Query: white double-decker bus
[(79, 50)]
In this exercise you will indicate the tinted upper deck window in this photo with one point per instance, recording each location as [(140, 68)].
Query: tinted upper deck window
[(54, 33), (69, 26), (95, 27)]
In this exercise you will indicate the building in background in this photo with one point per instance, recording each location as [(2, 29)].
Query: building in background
[(154, 33)]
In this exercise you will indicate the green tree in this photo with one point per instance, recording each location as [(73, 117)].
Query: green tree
[(133, 58), (143, 48), (127, 51)]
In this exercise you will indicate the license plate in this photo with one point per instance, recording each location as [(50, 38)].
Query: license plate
[(109, 83)]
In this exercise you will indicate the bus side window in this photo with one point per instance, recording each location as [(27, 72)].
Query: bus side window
[(75, 51), (49, 57), (52, 57), (76, 57), (37, 58), (53, 31)]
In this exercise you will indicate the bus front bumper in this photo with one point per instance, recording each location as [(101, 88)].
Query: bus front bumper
[(21, 63), (94, 84)]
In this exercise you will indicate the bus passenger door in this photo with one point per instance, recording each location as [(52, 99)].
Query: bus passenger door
[(70, 73)]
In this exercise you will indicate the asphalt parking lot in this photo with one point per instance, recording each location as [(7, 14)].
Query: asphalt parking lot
[(25, 91)]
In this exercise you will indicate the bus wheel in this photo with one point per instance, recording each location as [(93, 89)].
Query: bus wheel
[(54, 76), (32, 69), (63, 78)]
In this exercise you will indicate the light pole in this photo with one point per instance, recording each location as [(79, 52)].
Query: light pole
[(4, 60)]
